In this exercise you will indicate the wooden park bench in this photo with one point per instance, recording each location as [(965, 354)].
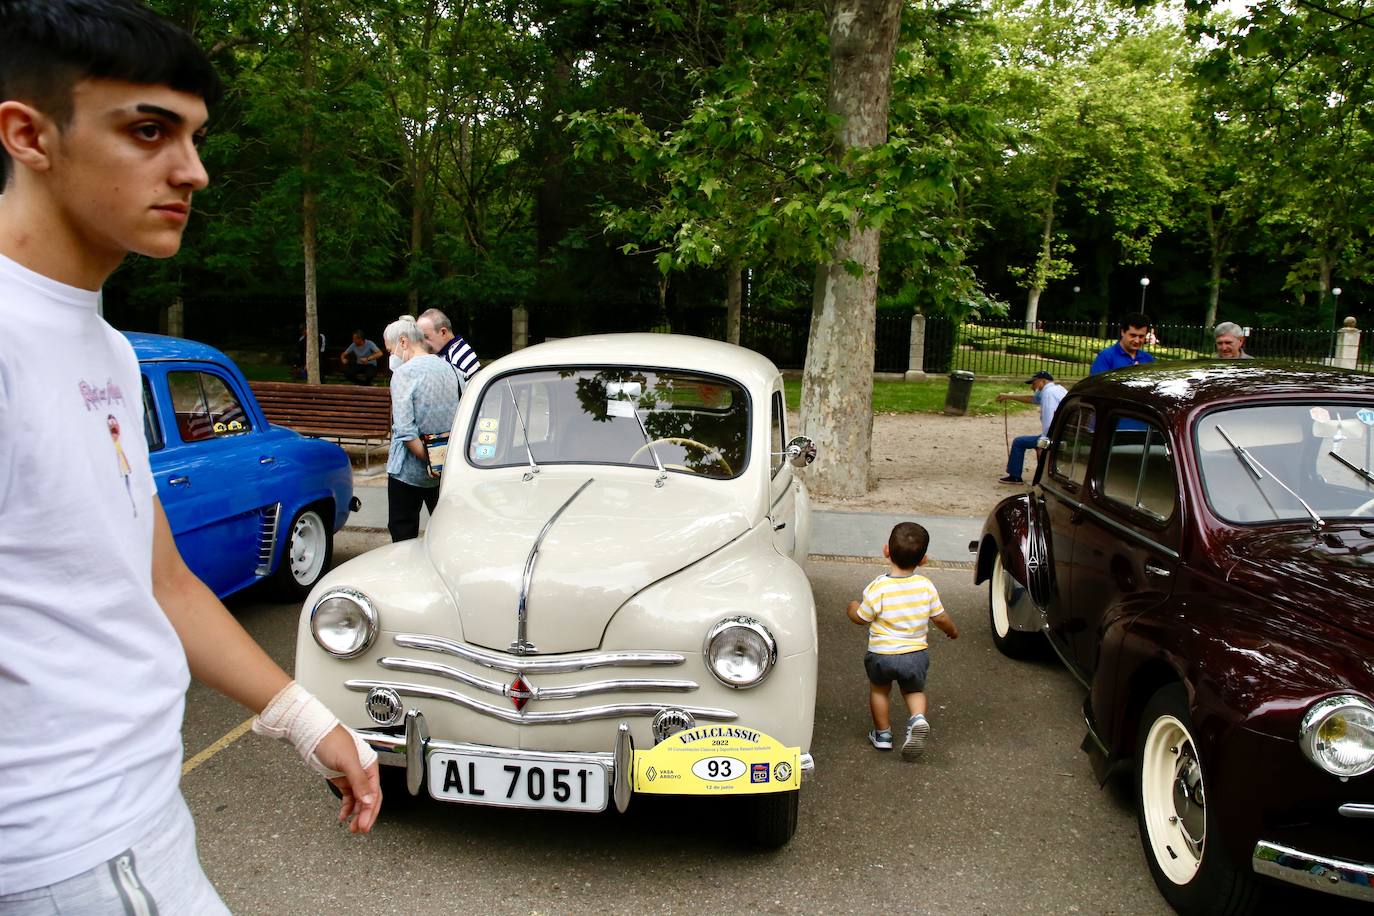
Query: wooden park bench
[(346, 414)]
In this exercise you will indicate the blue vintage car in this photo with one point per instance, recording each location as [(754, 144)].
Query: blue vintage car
[(246, 500)]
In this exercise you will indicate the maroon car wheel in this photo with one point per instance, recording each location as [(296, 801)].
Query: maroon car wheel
[(1178, 831)]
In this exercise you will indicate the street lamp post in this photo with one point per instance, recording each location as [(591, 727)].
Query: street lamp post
[(1144, 286)]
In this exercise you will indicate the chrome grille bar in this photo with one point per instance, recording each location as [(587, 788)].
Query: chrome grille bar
[(499, 661), (561, 717), (500, 688)]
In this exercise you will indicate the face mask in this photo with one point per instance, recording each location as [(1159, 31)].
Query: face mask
[(395, 362)]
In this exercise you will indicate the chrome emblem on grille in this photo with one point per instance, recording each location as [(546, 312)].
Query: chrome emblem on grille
[(384, 706), (520, 692), (671, 720)]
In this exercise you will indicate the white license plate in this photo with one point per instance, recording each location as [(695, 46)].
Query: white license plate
[(517, 783)]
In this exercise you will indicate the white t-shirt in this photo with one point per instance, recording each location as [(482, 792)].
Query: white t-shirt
[(92, 676)]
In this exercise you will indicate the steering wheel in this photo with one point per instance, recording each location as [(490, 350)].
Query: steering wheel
[(685, 442), (1364, 508)]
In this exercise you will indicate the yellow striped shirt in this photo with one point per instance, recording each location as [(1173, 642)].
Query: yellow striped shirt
[(898, 612)]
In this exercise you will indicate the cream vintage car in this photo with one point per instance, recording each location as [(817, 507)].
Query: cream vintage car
[(608, 600)]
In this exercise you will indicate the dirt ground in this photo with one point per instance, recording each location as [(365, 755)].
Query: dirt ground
[(930, 464)]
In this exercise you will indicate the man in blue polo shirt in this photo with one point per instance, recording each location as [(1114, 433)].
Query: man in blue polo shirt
[(1127, 351)]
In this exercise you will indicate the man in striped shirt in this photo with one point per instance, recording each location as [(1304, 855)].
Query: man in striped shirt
[(442, 342), (898, 608)]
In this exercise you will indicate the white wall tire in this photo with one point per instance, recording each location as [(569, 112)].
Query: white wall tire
[(1179, 833), (1011, 643)]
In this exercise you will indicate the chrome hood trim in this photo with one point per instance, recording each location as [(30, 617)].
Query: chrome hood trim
[(498, 552)]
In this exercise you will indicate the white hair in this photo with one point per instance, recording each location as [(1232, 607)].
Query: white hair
[(403, 327), (1229, 328)]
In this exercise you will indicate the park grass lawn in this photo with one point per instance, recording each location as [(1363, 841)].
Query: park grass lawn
[(927, 397)]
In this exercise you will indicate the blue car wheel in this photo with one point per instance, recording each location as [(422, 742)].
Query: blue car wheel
[(306, 553)]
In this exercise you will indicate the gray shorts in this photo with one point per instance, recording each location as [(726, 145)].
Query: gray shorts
[(908, 669), (159, 875)]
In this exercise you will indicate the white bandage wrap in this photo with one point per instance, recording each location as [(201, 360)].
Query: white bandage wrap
[(294, 715)]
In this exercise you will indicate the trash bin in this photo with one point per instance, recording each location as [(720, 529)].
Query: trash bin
[(957, 395)]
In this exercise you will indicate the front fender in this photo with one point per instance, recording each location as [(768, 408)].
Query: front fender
[(1014, 532)]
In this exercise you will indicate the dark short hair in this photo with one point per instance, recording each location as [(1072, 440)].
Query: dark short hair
[(907, 545), (1136, 320), (359, 334), (48, 46)]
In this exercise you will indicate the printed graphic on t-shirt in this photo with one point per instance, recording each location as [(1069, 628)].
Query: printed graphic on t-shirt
[(125, 470), (97, 397)]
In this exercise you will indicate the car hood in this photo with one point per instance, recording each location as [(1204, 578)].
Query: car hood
[(1328, 575), (608, 536)]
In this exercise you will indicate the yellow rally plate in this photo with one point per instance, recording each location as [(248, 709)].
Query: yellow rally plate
[(717, 760)]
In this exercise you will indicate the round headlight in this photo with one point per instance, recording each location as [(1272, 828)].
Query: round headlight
[(740, 651), (344, 622), (1337, 734)]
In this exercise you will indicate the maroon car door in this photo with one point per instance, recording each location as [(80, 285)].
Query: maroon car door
[(1126, 545), (1063, 488)]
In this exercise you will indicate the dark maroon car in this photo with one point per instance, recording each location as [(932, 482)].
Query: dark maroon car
[(1198, 548)]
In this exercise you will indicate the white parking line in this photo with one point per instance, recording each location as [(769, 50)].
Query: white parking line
[(235, 734)]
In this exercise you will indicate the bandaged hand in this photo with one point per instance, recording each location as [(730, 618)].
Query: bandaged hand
[(295, 716)]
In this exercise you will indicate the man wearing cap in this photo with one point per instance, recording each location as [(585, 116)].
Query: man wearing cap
[(1230, 340), (1047, 393)]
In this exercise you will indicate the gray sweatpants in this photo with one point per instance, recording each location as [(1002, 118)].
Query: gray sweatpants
[(159, 875)]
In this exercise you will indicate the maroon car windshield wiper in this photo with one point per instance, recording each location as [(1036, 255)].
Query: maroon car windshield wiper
[(1259, 472)]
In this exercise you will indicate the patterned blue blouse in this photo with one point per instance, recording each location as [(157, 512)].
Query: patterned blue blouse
[(424, 398)]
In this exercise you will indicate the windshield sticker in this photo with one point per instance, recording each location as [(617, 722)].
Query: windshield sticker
[(1366, 416), (486, 438), (488, 424), (486, 451), (1319, 414), (620, 409)]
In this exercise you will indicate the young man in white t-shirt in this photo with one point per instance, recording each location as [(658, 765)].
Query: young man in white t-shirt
[(102, 107)]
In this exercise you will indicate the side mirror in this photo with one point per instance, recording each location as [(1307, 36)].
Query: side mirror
[(801, 451)]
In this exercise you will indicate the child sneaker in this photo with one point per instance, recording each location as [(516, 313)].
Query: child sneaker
[(882, 740), (917, 731)]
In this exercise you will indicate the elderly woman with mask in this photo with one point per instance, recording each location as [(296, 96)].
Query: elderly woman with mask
[(424, 398)]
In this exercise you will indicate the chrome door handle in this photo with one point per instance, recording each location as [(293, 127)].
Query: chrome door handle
[(1154, 569), (178, 481)]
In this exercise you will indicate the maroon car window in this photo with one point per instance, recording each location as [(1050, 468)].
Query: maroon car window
[(1287, 462), (1073, 445), (1139, 471)]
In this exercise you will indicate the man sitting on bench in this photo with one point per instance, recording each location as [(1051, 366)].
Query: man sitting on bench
[(360, 360)]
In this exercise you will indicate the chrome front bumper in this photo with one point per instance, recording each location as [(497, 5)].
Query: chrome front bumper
[(411, 749), (1352, 880)]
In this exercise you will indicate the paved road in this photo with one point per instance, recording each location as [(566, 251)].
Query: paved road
[(1001, 816)]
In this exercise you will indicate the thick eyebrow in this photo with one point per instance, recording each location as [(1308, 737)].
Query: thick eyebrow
[(145, 108)]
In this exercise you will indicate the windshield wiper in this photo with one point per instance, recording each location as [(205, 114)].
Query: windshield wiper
[(1363, 472), (534, 468), (649, 444), (1259, 471)]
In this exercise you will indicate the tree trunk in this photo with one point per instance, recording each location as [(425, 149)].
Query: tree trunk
[(1042, 263), (1214, 280), (734, 284), (837, 386), (309, 215)]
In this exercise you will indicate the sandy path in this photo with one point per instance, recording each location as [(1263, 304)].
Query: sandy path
[(929, 464)]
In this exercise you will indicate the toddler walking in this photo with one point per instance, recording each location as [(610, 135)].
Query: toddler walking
[(898, 608)]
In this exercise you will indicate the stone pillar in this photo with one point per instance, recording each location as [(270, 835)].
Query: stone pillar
[(915, 361), (1347, 345), (519, 328)]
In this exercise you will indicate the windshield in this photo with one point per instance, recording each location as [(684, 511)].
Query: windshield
[(685, 422), (1289, 462)]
